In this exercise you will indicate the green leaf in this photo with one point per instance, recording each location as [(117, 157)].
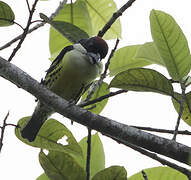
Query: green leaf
[(97, 155), (61, 166), (48, 137), (7, 16), (171, 44), (160, 173), (43, 177), (186, 116), (149, 52), (124, 59), (100, 12), (102, 90), (111, 173), (68, 30), (140, 79), (80, 18)]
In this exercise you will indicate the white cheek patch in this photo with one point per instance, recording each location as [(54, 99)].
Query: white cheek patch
[(94, 58)]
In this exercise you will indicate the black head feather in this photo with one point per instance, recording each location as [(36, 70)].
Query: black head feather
[(95, 45)]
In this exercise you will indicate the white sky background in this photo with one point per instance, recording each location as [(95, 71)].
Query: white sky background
[(20, 161)]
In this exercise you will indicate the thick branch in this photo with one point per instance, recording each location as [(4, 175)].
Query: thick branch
[(106, 126)]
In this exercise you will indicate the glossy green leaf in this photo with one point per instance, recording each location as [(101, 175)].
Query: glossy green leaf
[(6, 15), (160, 173), (100, 12), (124, 59), (77, 15), (97, 155), (48, 137), (61, 166), (68, 30), (102, 90), (149, 52), (171, 44), (186, 116), (111, 173), (43, 177), (140, 79)]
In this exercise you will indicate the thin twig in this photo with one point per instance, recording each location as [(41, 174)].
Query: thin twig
[(114, 17), (25, 31), (101, 98), (157, 158), (103, 75), (3, 130), (60, 7), (71, 12), (180, 110), (173, 81), (185, 132), (144, 175), (12, 22), (88, 158), (175, 98), (109, 59), (28, 6)]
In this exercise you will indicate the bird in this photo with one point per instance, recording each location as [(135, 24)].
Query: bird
[(69, 76)]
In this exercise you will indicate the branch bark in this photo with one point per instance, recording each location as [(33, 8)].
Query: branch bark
[(120, 132)]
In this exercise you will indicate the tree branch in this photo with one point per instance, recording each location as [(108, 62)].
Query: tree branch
[(167, 131), (3, 131), (101, 98), (120, 132), (114, 17), (157, 158), (25, 30), (88, 156), (144, 175), (180, 110), (61, 5)]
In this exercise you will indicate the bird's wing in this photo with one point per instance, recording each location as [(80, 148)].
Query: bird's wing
[(82, 90), (59, 58)]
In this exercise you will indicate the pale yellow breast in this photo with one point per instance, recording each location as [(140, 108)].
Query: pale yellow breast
[(76, 73)]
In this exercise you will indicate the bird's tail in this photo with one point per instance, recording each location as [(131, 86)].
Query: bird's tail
[(31, 129)]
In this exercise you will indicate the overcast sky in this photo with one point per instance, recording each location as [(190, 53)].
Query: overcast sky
[(20, 161)]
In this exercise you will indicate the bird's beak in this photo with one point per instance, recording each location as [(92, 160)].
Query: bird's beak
[(94, 58)]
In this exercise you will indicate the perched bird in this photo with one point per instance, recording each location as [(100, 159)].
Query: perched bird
[(69, 75)]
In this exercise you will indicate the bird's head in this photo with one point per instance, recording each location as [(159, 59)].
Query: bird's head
[(95, 46)]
